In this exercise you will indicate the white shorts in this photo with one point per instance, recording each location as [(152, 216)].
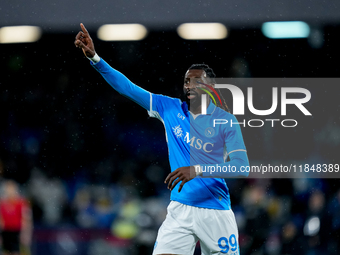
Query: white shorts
[(184, 225)]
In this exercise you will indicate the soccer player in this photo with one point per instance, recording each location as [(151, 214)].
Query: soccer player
[(200, 204)]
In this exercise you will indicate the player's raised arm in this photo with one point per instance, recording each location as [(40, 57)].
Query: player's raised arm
[(116, 79)]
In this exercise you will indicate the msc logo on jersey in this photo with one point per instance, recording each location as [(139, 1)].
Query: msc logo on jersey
[(209, 132), (198, 143), (195, 142)]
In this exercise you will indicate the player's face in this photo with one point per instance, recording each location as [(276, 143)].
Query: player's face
[(192, 82)]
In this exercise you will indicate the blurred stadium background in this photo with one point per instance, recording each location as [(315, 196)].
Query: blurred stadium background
[(92, 163)]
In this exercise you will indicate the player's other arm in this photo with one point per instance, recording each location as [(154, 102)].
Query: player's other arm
[(116, 79), (238, 166)]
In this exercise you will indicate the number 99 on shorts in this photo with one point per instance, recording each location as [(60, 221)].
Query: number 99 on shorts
[(227, 245)]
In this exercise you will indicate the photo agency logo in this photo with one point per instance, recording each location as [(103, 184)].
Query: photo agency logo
[(285, 100), (285, 122)]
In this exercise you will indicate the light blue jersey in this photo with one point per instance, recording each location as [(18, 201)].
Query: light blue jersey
[(192, 140)]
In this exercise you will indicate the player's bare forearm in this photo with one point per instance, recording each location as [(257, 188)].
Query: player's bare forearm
[(238, 165), (84, 41), (184, 174)]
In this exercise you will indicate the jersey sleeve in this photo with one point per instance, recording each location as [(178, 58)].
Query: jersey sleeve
[(159, 104), (155, 104), (233, 137), (238, 166), (123, 85)]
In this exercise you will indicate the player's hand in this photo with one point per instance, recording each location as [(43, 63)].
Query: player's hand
[(84, 42), (183, 174)]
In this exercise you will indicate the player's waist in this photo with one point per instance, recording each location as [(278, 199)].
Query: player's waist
[(206, 193), (208, 204)]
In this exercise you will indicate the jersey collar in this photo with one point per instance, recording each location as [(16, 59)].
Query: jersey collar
[(211, 108)]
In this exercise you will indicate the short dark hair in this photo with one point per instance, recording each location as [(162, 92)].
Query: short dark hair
[(210, 73)]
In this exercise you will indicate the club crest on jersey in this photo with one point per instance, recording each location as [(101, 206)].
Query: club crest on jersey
[(178, 131), (209, 132)]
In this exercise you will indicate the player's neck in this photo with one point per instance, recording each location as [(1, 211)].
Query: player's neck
[(197, 109)]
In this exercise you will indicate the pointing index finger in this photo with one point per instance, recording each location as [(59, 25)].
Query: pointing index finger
[(83, 28)]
